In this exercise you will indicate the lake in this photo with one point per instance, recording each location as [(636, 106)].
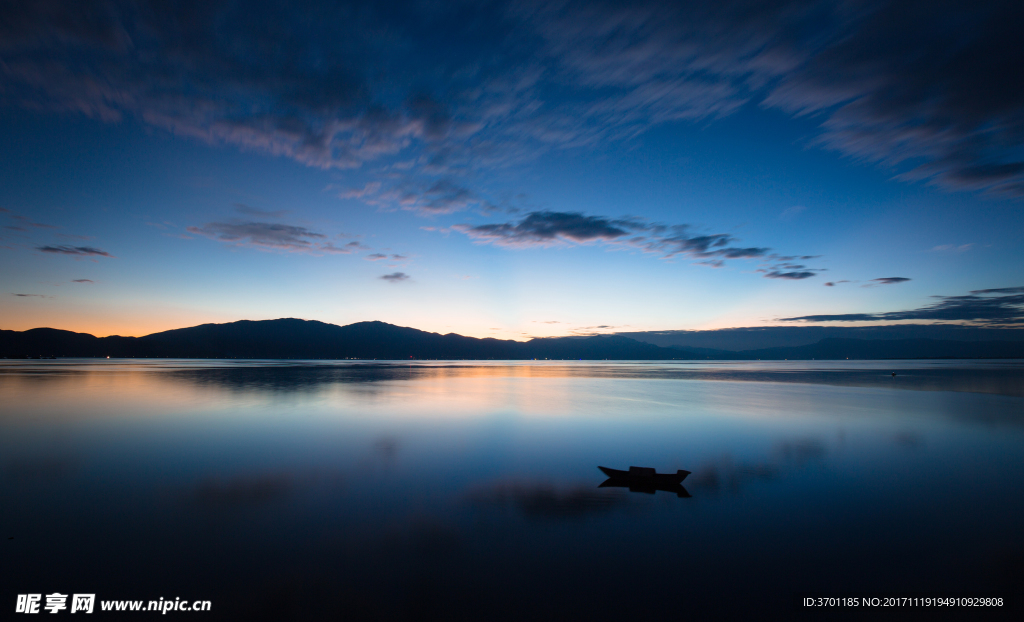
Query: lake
[(308, 490)]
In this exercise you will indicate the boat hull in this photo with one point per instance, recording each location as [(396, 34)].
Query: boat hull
[(646, 475)]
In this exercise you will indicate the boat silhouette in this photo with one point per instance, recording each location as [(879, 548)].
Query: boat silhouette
[(645, 480)]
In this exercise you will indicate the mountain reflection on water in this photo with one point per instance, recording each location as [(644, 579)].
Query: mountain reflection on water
[(999, 377), (454, 490)]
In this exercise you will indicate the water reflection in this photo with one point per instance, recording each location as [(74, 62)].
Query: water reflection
[(724, 473), (1002, 377), (243, 491), (646, 487), (304, 491), (997, 377), (545, 500)]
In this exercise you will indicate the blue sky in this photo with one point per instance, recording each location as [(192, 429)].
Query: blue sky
[(510, 170)]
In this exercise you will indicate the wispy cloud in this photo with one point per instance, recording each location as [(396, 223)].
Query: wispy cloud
[(31, 296), (426, 197), (777, 266), (395, 277), (986, 307), (889, 280), (370, 189), (74, 250), (791, 212), (345, 249), (26, 222), (952, 248), (273, 236), (890, 80), (83, 281)]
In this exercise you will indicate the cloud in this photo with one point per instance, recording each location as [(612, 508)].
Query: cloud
[(791, 212), (953, 248), (74, 250), (395, 277), (23, 221), (891, 280), (31, 296), (428, 197), (795, 275), (253, 211), (834, 283), (891, 81), (370, 189), (345, 249), (1001, 290), (985, 307), (547, 228), (28, 223), (782, 267), (273, 236), (83, 281), (375, 257), (440, 197), (216, 72)]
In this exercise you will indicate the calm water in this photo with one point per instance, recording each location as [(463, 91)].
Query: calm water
[(463, 491)]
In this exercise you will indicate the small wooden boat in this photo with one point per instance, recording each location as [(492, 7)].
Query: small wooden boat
[(645, 474)]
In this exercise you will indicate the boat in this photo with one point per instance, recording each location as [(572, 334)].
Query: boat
[(646, 480), (646, 474)]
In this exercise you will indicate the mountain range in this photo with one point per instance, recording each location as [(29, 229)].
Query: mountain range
[(307, 339)]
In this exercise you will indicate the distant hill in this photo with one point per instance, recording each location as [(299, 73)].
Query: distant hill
[(762, 337), (866, 349), (306, 339)]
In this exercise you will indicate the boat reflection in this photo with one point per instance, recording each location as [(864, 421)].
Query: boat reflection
[(646, 480)]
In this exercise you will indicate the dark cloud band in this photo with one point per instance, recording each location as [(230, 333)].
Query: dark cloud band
[(990, 307), (539, 229), (74, 250), (931, 90)]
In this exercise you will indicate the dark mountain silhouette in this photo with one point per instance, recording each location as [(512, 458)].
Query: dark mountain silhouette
[(762, 337), (305, 339)]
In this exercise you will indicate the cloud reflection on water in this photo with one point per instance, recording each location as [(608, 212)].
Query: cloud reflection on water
[(545, 500), (724, 473)]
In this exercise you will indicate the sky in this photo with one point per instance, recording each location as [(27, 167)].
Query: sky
[(511, 169)]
